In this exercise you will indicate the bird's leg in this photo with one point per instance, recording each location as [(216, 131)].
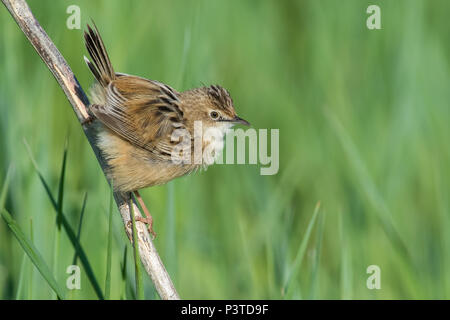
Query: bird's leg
[(148, 219)]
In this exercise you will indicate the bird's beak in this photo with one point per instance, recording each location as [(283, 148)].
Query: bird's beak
[(239, 120)]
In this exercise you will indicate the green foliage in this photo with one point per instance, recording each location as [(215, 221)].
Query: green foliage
[(363, 118), (295, 268), (63, 220), (27, 245)]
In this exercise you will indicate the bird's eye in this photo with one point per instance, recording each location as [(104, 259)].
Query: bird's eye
[(214, 115)]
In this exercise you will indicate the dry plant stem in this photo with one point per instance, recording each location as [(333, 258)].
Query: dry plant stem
[(58, 66)]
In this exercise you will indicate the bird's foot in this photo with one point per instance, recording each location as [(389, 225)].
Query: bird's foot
[(149, 222), (148, 217)]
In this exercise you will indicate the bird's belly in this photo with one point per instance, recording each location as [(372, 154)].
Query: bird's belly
[(130, 167)]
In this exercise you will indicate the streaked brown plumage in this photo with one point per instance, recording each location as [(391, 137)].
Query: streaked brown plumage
[(138, 117)]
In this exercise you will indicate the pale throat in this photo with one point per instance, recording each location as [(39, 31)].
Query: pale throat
[(214, 137)]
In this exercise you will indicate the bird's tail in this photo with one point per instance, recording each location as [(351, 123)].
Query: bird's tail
[(100, 66)]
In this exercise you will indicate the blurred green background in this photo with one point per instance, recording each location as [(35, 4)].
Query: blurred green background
[(364, 129)]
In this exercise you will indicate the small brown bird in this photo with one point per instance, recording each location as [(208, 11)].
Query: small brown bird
[(138, 118)]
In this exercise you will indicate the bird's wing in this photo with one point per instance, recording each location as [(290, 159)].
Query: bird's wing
[(144, 112)]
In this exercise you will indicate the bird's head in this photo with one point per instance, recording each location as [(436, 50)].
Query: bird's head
[(212, 106), (220, 109)]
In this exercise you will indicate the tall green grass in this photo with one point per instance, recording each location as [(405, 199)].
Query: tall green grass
[(27, 246), (363, 118)]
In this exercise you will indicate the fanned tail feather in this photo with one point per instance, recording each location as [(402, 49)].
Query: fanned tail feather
[(100, 66)]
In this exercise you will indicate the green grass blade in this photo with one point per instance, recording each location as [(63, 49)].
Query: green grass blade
[(26, 244), (137, 258), (41, 177), (21, 276), (83, 257), (372, 193), (346, 266), (293, 272), (60, 202), (109, 250), (123, 264), (5, 187), (315, 270), (24, 266), (32, 253), (56, 242), (61, 186), (2, 205), (80, 223), (70, 233), (123, 272), (31, 269)]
